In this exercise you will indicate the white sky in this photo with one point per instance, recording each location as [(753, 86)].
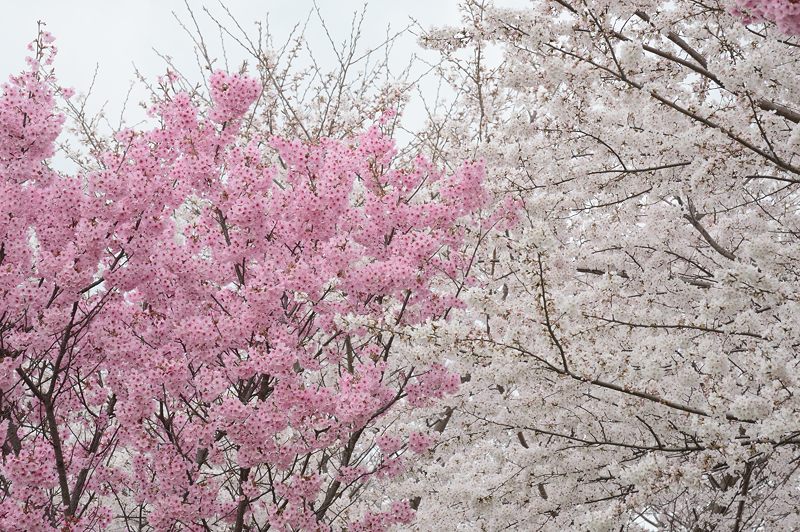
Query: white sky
[(116, 35)]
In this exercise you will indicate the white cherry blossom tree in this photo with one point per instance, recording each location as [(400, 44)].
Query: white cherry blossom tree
[(632, 345)]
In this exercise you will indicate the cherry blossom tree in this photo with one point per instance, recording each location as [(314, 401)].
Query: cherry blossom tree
[(197, 327), (632, 346)]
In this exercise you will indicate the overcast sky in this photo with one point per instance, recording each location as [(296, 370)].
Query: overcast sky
[(116, 34)]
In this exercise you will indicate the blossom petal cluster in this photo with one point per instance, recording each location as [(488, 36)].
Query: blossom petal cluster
[(784, 13)]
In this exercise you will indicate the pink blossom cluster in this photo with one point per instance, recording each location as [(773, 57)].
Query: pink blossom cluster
[(435, 383), (28, 127), (232, 95), (400, 513), (784, 13), (419, 442)]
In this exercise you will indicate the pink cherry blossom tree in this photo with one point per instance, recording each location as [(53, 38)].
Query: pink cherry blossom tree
[(197, 332), (784, 13)]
